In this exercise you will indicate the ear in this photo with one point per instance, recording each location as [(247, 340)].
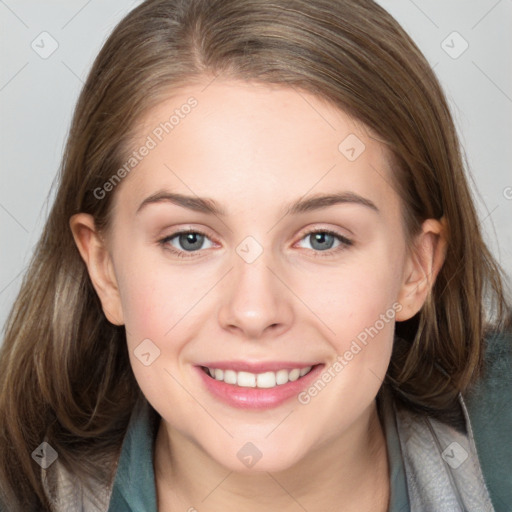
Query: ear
[(94, 252), (425, 259)]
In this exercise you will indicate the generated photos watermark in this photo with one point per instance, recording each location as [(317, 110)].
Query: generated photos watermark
[(356, 346), (151, 142)]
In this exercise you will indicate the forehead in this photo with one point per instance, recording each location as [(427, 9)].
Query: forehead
[(245, 143)]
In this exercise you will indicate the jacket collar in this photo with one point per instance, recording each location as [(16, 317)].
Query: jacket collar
[(440, 460), (133, 488)]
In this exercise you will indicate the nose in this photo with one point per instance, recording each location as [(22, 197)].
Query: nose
[(255, 301)]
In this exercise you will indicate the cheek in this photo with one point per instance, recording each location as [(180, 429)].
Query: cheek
[(353, 295), (153, 304), (148, 296), (144, 308), (160, 302), (357, 302)]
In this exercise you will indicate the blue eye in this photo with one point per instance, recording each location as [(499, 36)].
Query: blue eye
[(323, 240), (191, 241)]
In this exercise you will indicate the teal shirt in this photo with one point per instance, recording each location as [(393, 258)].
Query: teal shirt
[(489, 405)]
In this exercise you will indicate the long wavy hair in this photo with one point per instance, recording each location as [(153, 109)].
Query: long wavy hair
[(65, 375)]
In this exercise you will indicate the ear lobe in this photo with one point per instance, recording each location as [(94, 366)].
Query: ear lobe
[(94, 252), (422, 267)]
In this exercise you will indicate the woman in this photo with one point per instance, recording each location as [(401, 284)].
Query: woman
[(141, 373)]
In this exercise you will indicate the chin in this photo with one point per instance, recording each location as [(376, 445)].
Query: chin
[(253, 457)]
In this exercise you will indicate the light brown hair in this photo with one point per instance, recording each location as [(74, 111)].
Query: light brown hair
[(64, 369)]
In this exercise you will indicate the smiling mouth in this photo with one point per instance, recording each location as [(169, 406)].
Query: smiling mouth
[(265, 380)]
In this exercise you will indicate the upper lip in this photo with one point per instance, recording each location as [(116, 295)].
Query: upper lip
[(260, 367)]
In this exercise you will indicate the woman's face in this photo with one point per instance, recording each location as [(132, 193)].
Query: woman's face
[(254, 289)]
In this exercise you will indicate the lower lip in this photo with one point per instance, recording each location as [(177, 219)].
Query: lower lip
[(257, 398)]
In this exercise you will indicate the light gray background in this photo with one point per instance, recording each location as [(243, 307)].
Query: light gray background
[(37, 97)]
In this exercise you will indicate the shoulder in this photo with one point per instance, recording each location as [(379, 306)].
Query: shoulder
[(489, 404)]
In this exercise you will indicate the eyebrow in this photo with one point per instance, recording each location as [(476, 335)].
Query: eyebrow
[(209, 206)]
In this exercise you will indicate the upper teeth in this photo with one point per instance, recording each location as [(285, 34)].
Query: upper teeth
[(260, 380)]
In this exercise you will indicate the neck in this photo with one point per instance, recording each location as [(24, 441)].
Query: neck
[(347, 474)]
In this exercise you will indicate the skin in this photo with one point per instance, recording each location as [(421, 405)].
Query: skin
[(254, 148)]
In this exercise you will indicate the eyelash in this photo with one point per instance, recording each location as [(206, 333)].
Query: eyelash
[(345, 243)]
